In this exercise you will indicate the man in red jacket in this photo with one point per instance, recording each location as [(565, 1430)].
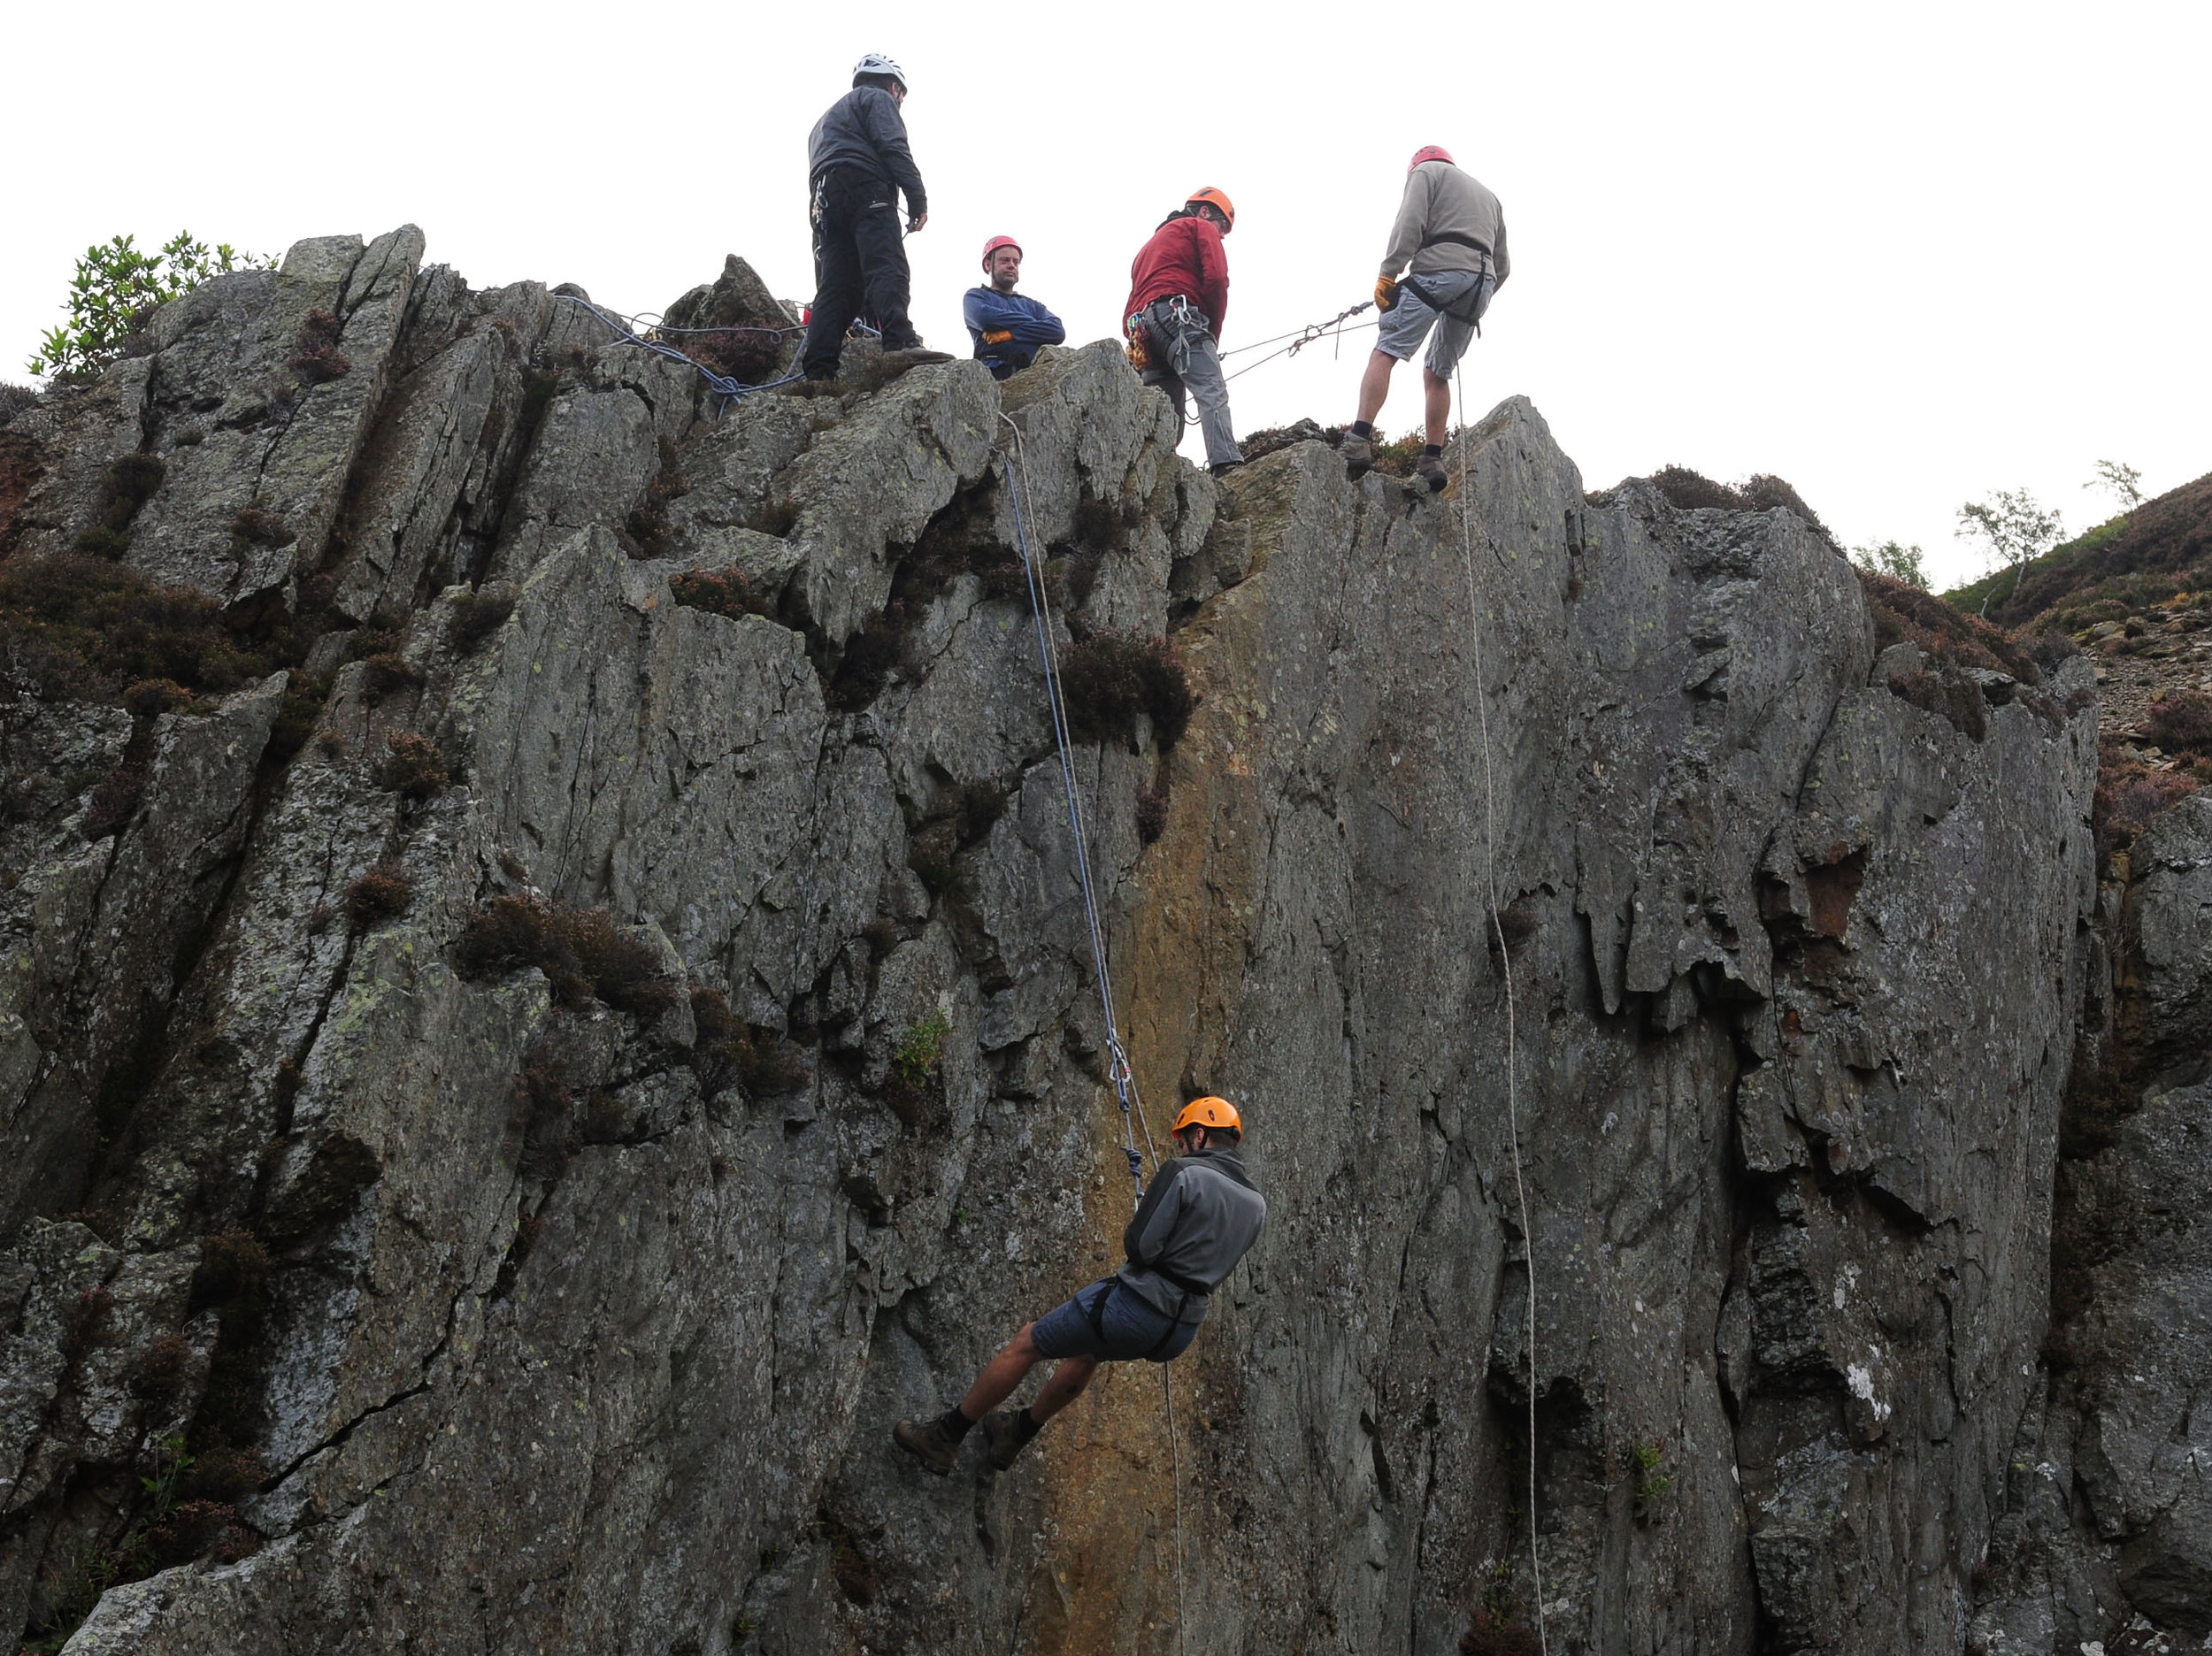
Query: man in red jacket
[(1178, 293)]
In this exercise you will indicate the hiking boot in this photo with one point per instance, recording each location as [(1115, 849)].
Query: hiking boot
[(912, 357), (1002, 1438), (1431, 471), (929, 1443), (1359, 456), (1225, 467)]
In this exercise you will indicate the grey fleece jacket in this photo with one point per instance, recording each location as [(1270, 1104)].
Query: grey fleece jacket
[(1201, 1214), (1440, 200)]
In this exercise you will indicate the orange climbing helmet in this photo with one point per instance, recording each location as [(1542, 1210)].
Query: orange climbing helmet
[(1211, 1112), (1213, 198), (994, 244), (1428, 152)]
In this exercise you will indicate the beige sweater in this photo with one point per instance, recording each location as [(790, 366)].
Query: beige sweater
[(1440, 199)]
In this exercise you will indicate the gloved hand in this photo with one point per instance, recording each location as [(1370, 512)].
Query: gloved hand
[(1385, 292), (998, 336)]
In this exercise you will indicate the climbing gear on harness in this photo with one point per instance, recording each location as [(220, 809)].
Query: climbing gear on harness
[(1006, 1433), (1139, 357), (1470, 307), (1210, 1112), (1429, 152), (1512, 1019), (1212, 197), (876, 63), (1385, 292), (929, 1443), (994, 244)]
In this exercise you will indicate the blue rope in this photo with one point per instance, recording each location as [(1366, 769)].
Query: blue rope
[(725, 389), (1118, 1071)]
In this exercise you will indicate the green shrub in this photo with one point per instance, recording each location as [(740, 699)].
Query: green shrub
[(478, 615), (584, 954), (380, 895), (914, 1088), (315, 354), (74, 628), (727, 1050), (417, 769), (2181, 722), (250, 526), (1111, 677), (719, 592), (116, 287), (101, 542)]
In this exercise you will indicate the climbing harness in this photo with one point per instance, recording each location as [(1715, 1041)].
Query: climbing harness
[(1505, 958), (1124, 1080), (725, 389)]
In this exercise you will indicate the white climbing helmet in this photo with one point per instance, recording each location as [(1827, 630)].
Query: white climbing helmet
[(876, 63)]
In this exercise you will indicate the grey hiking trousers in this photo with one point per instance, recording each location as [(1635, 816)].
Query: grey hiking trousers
[(1180, 341)]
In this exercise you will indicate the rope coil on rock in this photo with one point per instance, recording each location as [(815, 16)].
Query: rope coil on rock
[(723, 386), (1505, 959), (1123, 1078)]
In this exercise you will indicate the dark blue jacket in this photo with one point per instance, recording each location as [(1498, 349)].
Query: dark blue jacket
[(864, 130), (991, 312)]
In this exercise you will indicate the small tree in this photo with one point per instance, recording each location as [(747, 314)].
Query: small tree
[(2015, 528), (2124, 483), (1891, 558), (114, 288)]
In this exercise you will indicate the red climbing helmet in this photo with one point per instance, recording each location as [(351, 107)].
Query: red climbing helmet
[(1211, 1112), (1429, 152), (994, 244)]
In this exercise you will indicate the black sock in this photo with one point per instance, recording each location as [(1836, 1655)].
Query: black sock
[(955, 1423), (1432, 451), (1363, 428), (1026, 1426)]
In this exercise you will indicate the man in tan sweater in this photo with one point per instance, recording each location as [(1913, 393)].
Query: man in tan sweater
[(1449, 241)]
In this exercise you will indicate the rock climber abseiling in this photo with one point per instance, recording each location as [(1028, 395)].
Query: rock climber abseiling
[(1201, 1214)]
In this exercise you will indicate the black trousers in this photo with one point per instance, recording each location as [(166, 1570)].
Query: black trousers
[(859, 268)]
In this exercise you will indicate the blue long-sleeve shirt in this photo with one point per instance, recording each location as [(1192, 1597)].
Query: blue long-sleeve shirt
[(990, 311)]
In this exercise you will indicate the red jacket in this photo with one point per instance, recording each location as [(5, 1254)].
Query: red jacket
[(1185, 255)]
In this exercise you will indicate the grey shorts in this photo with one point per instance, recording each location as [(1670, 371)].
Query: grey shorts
[(1108, 1322), (1406, 324)]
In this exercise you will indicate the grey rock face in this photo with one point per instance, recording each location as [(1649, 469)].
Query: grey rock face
[(524, 1150), (2106, 1535)]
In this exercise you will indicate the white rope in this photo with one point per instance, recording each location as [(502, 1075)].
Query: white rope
[(1123, 1075), (1505, 959)]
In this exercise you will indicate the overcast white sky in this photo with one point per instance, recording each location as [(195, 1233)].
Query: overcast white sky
[(1900, 254)]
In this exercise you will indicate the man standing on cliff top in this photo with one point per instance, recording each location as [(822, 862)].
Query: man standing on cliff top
[(858, 163), (1007, 327), (1196, 1223), (1179, 295), (1450, 242)]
